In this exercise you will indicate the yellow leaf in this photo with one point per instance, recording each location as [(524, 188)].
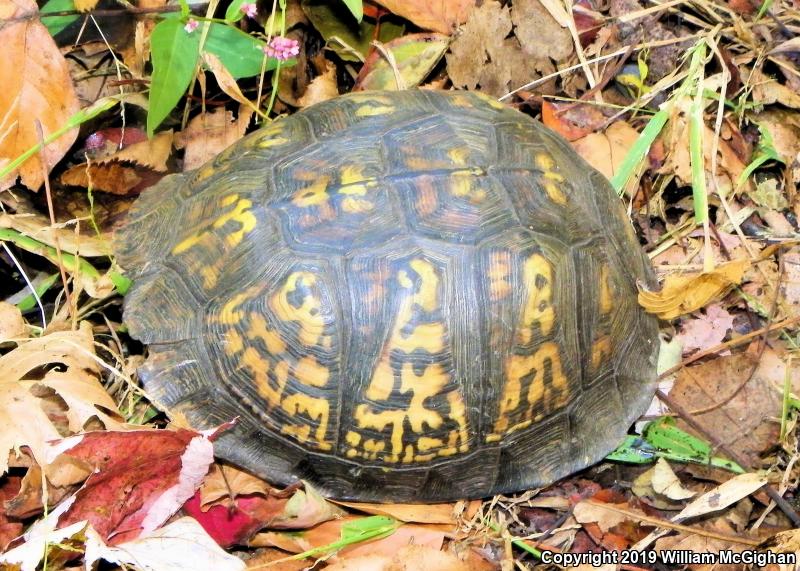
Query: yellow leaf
[(685, 293)]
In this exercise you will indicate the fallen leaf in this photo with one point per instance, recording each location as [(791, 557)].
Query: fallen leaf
[(440, 16), (36, 87), (408, 558), (706, 330), (12, 326), (414, 57), (115, 178), (152, 153), (684, 293), (540, 27), (321, 88), (9, 528), (330, 532), (182, 545), (208, 134), (225, 80), (141, 478), (593, 511), (606, 151), (44, 541), (224, 482), (666, 483), (75, 380), (766, 90), (742, 408)]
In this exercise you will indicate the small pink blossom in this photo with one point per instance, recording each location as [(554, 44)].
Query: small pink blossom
[(282, 48), (95, 141), (191, 26), (249, 10)]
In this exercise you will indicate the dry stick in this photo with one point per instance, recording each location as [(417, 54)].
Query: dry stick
[(687, 418), (51, 212)]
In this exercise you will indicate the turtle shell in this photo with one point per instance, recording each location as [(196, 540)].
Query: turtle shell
[(405, 296)]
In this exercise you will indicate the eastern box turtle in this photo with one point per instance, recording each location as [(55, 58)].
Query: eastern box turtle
[(406, 296)]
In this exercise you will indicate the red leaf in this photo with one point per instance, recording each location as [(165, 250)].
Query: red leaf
[(230, 525), (141, 478), (9, 487)]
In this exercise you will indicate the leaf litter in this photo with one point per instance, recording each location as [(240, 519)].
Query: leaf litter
[(596, 73)]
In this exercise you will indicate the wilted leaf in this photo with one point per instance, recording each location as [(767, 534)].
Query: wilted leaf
[(706, 330), (666, 483), (12, 325), (36, 87), (9, 529), (210, 133), (38, 227), (415, 56), (767, 90), (182, 545), (225, 80), (24, 421), (408, 558), (141, 478), (321, 88), (742, 408), (440, 16), (115, 178), (540, 27), (606, 151), (602, 514), (684, 293), (151, 153)]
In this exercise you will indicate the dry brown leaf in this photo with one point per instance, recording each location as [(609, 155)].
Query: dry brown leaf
[(12, 326), (151, 153), (606, 151), (605, 517), (76, 382), (440, 16), (210, 133), (706, 330), (321, 88), (540, 33), (225, 80), (38, 227), (666, 483), (745, 422), (36, 87), (767, 90), (684, 293), (409, 558), (223, 481), (114, 177)]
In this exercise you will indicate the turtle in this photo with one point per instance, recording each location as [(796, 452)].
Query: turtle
[(399, 296)]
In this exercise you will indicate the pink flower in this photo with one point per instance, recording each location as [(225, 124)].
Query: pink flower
[(191, 26), (282, 48), (249, 10)]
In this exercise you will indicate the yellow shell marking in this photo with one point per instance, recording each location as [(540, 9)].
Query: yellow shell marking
[(314, 194), (240, 214), (409, 335), (499, 274), (308, 315), (552, 179), (537, 275), (606, 299), (462, 185), (601, 350), (545, 393), (271, 137), (317, 409)]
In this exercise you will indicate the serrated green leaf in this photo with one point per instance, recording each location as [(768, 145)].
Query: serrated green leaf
[(240, 53), (56, 24), (174, 55), (356, 7)]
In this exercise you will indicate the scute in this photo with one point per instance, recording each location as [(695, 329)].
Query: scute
[(403, 296)]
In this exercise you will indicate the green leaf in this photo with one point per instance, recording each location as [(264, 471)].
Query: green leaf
[(56, 24), (175, 55), (234, 12), (349, 39), (240, 53), (356, 7), (662, 439), (765, 152), (415, 55)]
